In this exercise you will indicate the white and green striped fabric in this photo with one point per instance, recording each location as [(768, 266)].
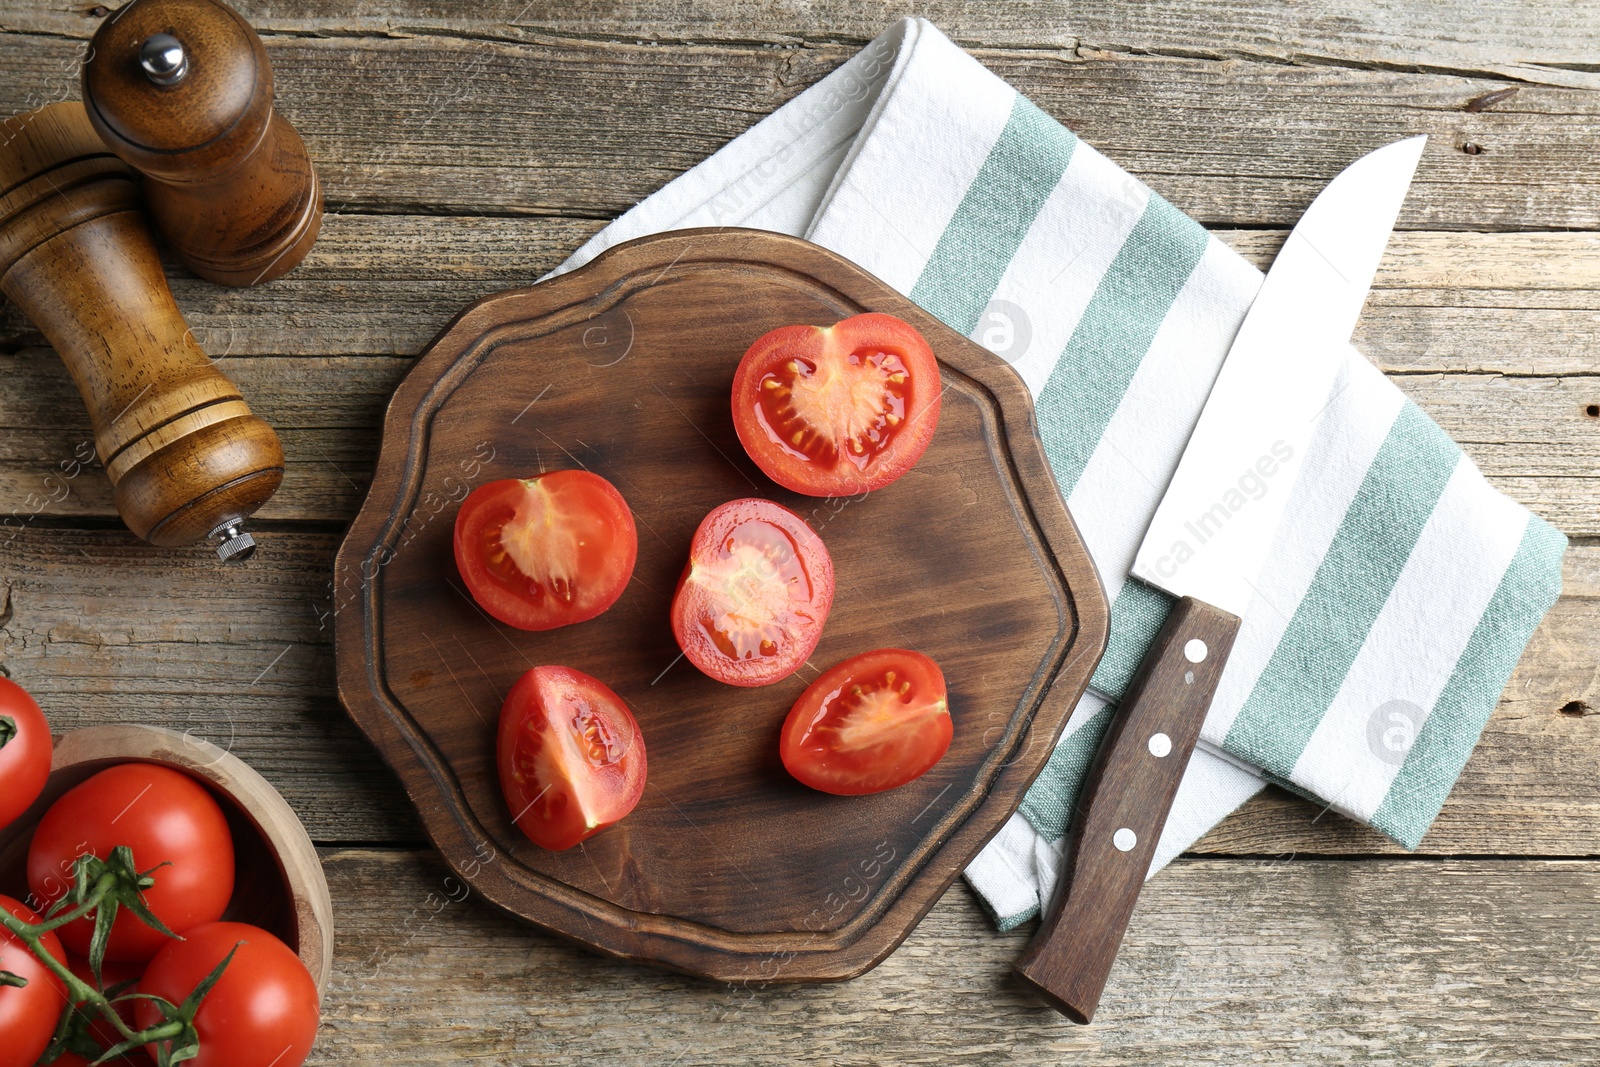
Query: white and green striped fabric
[(1402, 588)]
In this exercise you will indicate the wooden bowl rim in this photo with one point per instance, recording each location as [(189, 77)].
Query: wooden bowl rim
[(253, 796)]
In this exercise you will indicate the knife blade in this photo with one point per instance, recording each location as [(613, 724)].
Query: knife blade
[(1205, 545)]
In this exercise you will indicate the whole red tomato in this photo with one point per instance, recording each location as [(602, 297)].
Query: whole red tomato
[(261, 1013), (751, 603), (28, 1014), (570, 755), (874, 722), (837, 410), (165, 817), (549, 551), (24, 751)]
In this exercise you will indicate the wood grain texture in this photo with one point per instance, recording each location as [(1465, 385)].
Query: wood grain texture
[(1549, 41), (1509, 303), (1532, 436), (105, 629), (727, 867), (228, 182), (182, 449), (1237, 111), (1313, 962), (554, 125)]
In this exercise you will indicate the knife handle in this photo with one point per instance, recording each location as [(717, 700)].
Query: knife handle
[(1123, 807)]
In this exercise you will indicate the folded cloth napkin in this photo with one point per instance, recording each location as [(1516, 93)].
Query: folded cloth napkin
[(1401, 589)]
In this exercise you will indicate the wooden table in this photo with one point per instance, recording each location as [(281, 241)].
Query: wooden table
[(465, 153)]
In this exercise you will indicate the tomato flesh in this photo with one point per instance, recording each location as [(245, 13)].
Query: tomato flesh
[(752, 602), (28, 1014), (263, 1011), (874, 722), (836, 410), (165, 817), (570, 755), (548, 551), (24, 751)]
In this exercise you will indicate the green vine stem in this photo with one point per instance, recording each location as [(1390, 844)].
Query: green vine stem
[(103, 887)]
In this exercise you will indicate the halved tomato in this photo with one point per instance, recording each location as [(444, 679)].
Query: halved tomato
[(751, 603), (837, 410), (571, 756), (874, 722), (543, 552)]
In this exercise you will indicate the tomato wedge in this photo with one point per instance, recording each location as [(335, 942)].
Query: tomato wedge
[(873, 722), (837, 410), (751, 603), (543, 552), (571, 756)]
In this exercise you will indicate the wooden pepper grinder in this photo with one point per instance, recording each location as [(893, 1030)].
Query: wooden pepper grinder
[(182, 91), (184, 453)]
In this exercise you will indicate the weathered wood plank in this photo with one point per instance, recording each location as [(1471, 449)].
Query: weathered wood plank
[(105, 629), (383, 284), (1513, 303), (468, 126), (1533, 437), (1541, 41), (1502, 303), (1384, 962)]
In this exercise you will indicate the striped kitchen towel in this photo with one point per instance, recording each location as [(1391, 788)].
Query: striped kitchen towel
[(1400, 591)]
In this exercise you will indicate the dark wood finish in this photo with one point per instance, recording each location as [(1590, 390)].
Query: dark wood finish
[(181, 447), (728, 867), (278, 881), (1128, 790), (228, 180)]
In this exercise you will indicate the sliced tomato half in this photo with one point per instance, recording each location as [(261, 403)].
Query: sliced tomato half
[(543, 552), (752, 602), (873, 722), (837, 410), (570, 755)]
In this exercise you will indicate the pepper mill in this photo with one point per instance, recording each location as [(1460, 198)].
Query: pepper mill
[(184, 453), (182, 91)]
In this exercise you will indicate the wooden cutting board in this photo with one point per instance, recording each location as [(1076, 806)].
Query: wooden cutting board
[(728, 867)]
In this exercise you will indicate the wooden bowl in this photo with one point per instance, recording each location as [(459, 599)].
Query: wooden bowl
[(278, 886)]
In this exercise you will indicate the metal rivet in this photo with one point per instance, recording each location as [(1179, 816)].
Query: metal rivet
[(1160, 745), (1195, 650), (1125, 839)]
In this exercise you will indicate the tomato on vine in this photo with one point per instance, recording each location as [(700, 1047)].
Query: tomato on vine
[(165, 818), (29, 1012), (263, 1009), (24, 751)]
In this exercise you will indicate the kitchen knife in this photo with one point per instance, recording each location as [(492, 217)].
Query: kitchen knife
[(1205, 546)]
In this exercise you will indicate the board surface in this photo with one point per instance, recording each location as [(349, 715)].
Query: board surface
[(728, 867)]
